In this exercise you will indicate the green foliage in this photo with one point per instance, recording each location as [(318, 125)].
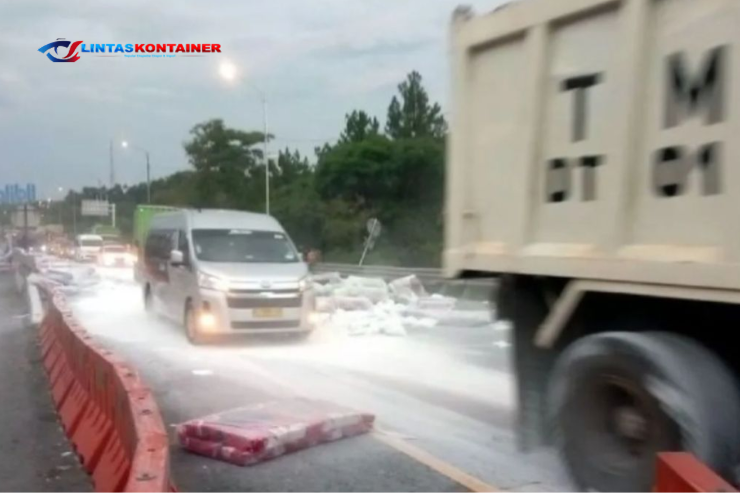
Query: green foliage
[(359, 126), (299, 209), (413, 116), (358, 172), (396, 176), (225, 162)]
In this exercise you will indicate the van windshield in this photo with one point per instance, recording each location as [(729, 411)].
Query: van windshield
[(242, 246)]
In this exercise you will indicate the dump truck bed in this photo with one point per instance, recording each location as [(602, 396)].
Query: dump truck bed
[(597, 139)]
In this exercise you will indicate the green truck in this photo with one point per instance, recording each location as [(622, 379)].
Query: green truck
[(142, 220)]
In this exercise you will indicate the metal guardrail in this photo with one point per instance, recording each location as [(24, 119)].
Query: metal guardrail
[(385, 272), (433, 280)]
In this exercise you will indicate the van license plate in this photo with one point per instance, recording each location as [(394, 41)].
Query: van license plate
[(268, 312)]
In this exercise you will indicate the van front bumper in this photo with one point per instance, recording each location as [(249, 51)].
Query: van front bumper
[(253, 312)]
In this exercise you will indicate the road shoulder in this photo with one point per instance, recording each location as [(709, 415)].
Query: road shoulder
[(30, 433)]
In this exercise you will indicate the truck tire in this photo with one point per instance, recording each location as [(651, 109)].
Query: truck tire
[(617, 399)]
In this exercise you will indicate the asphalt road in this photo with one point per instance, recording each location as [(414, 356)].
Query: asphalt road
[(36, 454), (442, 397)]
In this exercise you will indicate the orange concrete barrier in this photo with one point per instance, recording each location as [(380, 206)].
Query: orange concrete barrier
[(107, 412), (682, 472)]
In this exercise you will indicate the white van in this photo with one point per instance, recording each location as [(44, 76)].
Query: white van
[(225, 272), (88, 247)]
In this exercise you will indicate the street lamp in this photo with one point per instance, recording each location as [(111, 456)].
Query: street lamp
[(229, 72), (126, 145)]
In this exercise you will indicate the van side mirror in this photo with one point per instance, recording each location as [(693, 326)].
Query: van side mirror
[(176, 257)]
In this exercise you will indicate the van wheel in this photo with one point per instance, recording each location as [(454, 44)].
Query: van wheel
[(618, 399), (148, 299), (191, 325)]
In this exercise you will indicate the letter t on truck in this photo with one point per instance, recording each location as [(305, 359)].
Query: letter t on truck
[(594, 167)]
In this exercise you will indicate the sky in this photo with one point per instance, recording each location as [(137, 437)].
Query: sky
[(315, 60)]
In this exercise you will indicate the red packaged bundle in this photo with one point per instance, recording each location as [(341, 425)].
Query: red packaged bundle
[(258, 433)]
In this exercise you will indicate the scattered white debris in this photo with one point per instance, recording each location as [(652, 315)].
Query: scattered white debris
[(67, 277), (203, 373), (419, 322), (502, 325), (436, 302), (376, 290), (351, 303), (502, 344), (407, 289), (383, 318), (366, 306)]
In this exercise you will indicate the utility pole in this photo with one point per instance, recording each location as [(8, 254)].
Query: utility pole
[(112, 167), (267, 159), (125, 144), (148, 180), (25, 226)]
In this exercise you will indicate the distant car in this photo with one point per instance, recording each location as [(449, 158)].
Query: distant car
[(115, 256), (88, 247)]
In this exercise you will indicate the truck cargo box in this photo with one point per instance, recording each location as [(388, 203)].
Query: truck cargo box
[(597, 139)]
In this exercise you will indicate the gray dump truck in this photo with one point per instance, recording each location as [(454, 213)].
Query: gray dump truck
[(594, 167)]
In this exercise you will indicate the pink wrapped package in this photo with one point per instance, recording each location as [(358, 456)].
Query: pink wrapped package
[(262, 432)]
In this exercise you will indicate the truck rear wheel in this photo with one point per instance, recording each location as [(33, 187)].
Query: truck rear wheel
[(617, 399)]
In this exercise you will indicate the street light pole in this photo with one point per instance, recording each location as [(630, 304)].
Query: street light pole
[(61, 205), (267, 159), (125, 144), (229, 72), (148, 180), (112, 170)]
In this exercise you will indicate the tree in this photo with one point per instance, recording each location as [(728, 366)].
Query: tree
[(290, 167), (358, 127), (359, 172), (224, 160), (299, 209), (413, 116), (396, 176), (421, 169)]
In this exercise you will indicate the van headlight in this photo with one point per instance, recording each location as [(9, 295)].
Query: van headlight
[(207, 281)]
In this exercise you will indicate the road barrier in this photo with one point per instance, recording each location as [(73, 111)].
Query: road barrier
[(107, 412), (680, 471)]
